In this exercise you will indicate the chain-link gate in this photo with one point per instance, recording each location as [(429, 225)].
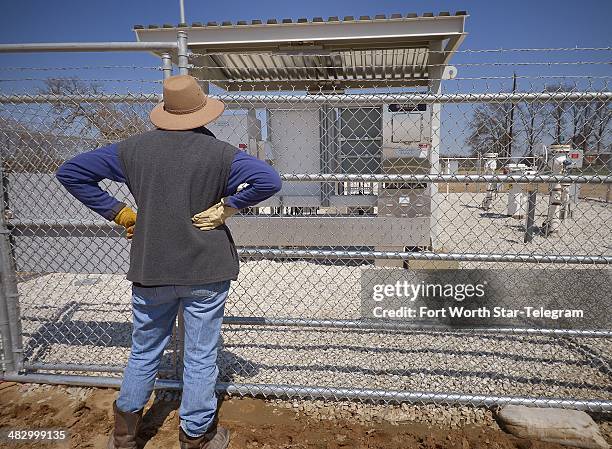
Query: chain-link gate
[(368, 185)]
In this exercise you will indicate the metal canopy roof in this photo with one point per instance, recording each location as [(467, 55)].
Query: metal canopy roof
[(312, 54)]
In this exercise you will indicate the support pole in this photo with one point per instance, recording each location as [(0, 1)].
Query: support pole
[(166, 65), (435, 88), (531, 209), (179, 330), (183, 60), (8, 294), (182, 8), (5, 334)]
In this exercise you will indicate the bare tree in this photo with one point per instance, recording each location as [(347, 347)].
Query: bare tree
[(583, 124), (533, 122), (581, 116), (558, 111), (600, 117), (111, 121), (25, 149), (489, 129)]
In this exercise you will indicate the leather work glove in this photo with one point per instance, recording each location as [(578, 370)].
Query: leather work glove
[(126, 218), (214, 216)]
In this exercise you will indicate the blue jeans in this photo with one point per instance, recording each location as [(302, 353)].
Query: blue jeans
[(154, 311)]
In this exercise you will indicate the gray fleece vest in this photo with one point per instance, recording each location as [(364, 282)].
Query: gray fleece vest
[(172, 176)]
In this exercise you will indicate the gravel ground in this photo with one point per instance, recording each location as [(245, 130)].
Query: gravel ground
[(86, 319), (465, 228)]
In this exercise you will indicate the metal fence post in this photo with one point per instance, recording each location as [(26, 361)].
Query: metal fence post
[(183, 60), (5, 334), (183, 63), (166, 65), (435, 87), (9, 295), (531, 210)]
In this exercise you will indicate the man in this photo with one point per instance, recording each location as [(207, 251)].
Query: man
[(185, 185)]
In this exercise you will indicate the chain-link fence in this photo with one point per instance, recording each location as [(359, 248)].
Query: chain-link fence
[(509, 175)]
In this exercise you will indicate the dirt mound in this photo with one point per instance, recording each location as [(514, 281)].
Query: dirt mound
[(255, 424)]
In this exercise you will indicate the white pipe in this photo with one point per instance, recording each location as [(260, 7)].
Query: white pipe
[(559, 192), (490, 167)]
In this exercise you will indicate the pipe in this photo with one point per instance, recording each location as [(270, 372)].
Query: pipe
[(404, 326), (86, 47), (369, 100), (331, 393), (37, 366), (527, 178), (540, 179), (559, 196), (373, 99), (394, 396), (490, 167), (424, 255)]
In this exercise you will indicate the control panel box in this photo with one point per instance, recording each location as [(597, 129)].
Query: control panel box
[(406, 131)]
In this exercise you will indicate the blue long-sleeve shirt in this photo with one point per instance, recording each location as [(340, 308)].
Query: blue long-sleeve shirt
[(81, 175)]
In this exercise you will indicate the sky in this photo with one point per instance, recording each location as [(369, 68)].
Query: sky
[(490, 25), (516, 23)]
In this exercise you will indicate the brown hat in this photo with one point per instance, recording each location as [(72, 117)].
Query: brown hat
[(185, 105)]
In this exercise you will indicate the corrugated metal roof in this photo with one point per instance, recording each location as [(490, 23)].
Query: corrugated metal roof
[(331, 19), (394, 50), (357, 67)]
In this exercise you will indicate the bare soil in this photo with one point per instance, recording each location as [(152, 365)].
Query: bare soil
[(255, 424)]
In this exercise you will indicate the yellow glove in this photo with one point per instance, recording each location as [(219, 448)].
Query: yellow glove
[(126, 218), (214, 216)]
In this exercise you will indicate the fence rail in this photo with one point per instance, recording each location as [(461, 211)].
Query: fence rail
[(258, 100)]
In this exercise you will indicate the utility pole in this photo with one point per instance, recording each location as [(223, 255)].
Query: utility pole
[(182, 6), (510, 131)]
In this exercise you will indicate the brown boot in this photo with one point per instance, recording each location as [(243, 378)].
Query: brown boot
[(126, 428), (217, 438)]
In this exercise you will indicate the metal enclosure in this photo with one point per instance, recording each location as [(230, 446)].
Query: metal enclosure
[(330, 58)]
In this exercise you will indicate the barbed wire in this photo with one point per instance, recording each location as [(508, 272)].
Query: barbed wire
[(122, 80), (375, 66), (506, 50), (421, 50), (474, 64), (93, 67)]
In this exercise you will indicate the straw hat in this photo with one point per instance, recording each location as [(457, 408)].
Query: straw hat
[(185, 105)]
